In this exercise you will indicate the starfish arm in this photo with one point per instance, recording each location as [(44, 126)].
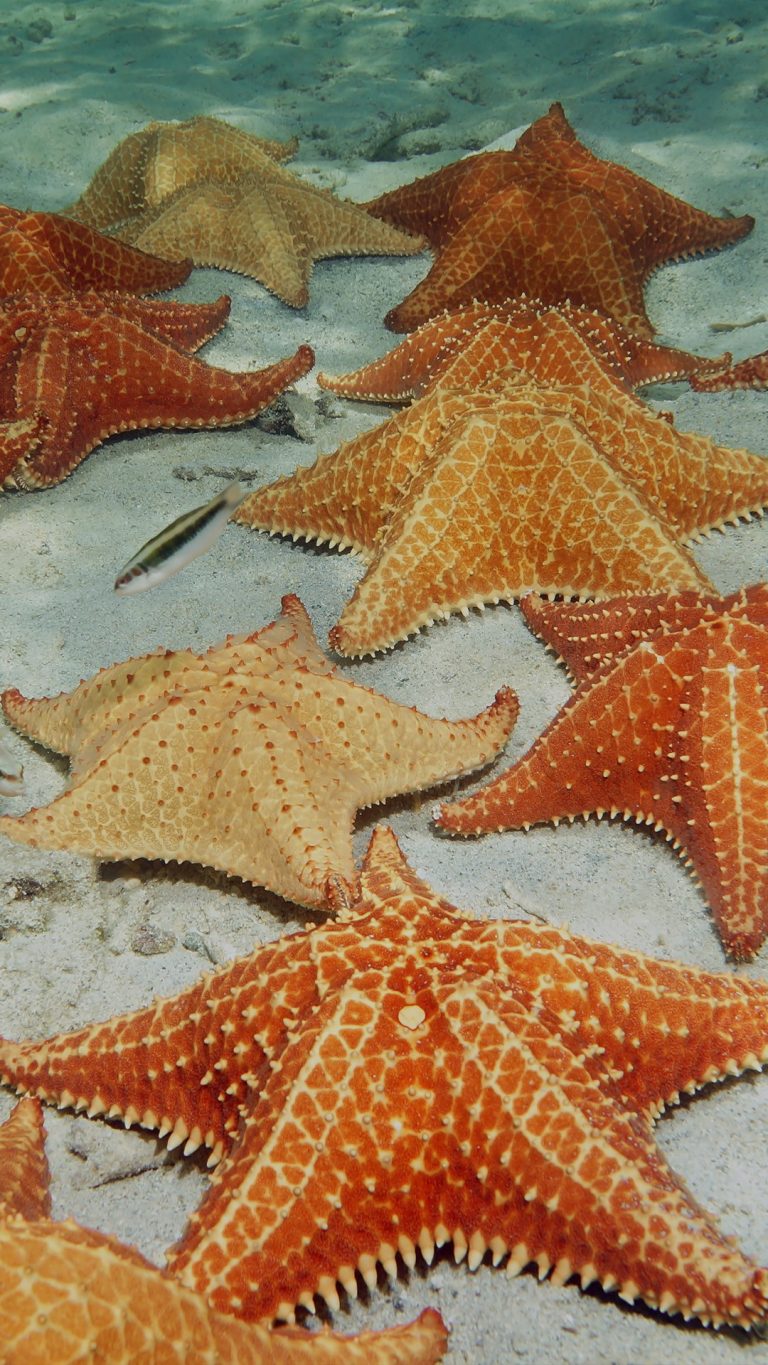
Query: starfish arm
[(574, 769), (50, 254), (345, 498), (695, 484), (661, 1028), (104, 1300), (396, 748), (508, 501), (673, 735), (436, 205), (175, 1067), (130, 380), (24, 1174), (556, 249), (117, 189), (115, 694), (587, 635), (187, 325), (493, 1131), (402, 372), (751, 373)]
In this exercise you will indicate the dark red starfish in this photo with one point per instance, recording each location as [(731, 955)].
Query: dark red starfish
[(91, 365), (44, 253)]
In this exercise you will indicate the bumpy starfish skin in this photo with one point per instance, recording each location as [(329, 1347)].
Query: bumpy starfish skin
[(590, 634), (96, 364), (242, 759), (164, 157), (555, 245), (24, 1174), (562, 345), (672, 732), (600, 227), (751, 373), (409, 1076), (659, 226), (271, 226), (45, 253), (70, 1295), (471, 498)]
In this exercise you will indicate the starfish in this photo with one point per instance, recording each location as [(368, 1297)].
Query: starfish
[(668, 726), (45, 253), (95, 364), (750, 373), (252, 759), (237, 208), (147, 166), (563, 345), (407, 1076), (465, 499), (548, 218), (67, 1293)]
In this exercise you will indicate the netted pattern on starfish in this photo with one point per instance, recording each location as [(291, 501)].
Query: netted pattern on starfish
[(411, 1076), (242, 759), (68, 1294), (479, 342), (24, 1174), (92, 365), (672, 733), (45, 253)]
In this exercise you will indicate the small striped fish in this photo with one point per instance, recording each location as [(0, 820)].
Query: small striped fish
[(11, 773), (187, 537)]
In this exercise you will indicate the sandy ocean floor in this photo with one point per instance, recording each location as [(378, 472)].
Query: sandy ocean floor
[(377, 93)]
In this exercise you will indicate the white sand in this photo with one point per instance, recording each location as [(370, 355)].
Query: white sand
[(680, 98)]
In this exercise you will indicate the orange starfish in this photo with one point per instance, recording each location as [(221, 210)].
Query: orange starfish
[(548, 219), (252, 758), (408, 1076), (669, 727), (750, 373), (563, 345), (212, 192), (659, 226), (472, 498), (68, 1294), (92, 364), (44, 253)]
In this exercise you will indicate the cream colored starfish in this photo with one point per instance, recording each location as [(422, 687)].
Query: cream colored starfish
[(236, 209), (252, 758)]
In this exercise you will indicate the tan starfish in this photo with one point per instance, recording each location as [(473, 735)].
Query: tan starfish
[(68, 1294), (161, 158), (408, 1076), (472, 498), (243, 213), (252, 758)]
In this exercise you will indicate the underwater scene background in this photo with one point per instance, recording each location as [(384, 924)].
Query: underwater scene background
[(376, 94)]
